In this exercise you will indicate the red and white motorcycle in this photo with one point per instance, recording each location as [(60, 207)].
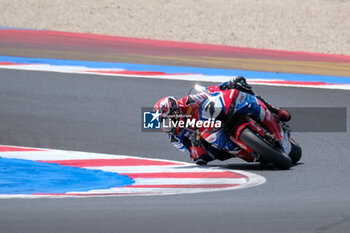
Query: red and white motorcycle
[(269, 141)]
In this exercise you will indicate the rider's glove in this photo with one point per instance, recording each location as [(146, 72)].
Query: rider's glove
[(197, 149), (239, 83), (239, 80), (196, 139)]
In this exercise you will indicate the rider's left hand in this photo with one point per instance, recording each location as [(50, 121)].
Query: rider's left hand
[(196, 139)]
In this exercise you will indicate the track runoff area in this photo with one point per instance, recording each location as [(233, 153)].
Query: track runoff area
[(37, 172)]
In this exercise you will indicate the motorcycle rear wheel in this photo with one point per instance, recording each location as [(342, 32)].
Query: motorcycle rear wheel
[(296, 152), (265, 149)]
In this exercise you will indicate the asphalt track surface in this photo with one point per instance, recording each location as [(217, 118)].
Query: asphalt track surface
[(103, 114)]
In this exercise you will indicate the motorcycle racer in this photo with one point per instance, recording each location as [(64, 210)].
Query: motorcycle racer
[(204, 144)]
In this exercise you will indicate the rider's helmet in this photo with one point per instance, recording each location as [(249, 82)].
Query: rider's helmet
[(169, 109)]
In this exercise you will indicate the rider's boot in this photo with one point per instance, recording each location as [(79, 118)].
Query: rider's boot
[(203, 160), (282, 113)]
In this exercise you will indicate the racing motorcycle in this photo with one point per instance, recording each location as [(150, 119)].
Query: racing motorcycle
[(268, 142)]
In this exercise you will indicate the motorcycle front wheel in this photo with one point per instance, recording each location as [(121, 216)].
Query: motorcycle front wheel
[(263, 148)]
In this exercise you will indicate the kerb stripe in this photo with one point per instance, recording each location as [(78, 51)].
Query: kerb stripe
[(111, 162)]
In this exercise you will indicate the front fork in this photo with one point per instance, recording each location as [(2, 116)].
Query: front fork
[(251, 124)]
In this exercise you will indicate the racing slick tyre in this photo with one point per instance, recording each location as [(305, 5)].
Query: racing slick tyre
[(295, 153), (264, 149)]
